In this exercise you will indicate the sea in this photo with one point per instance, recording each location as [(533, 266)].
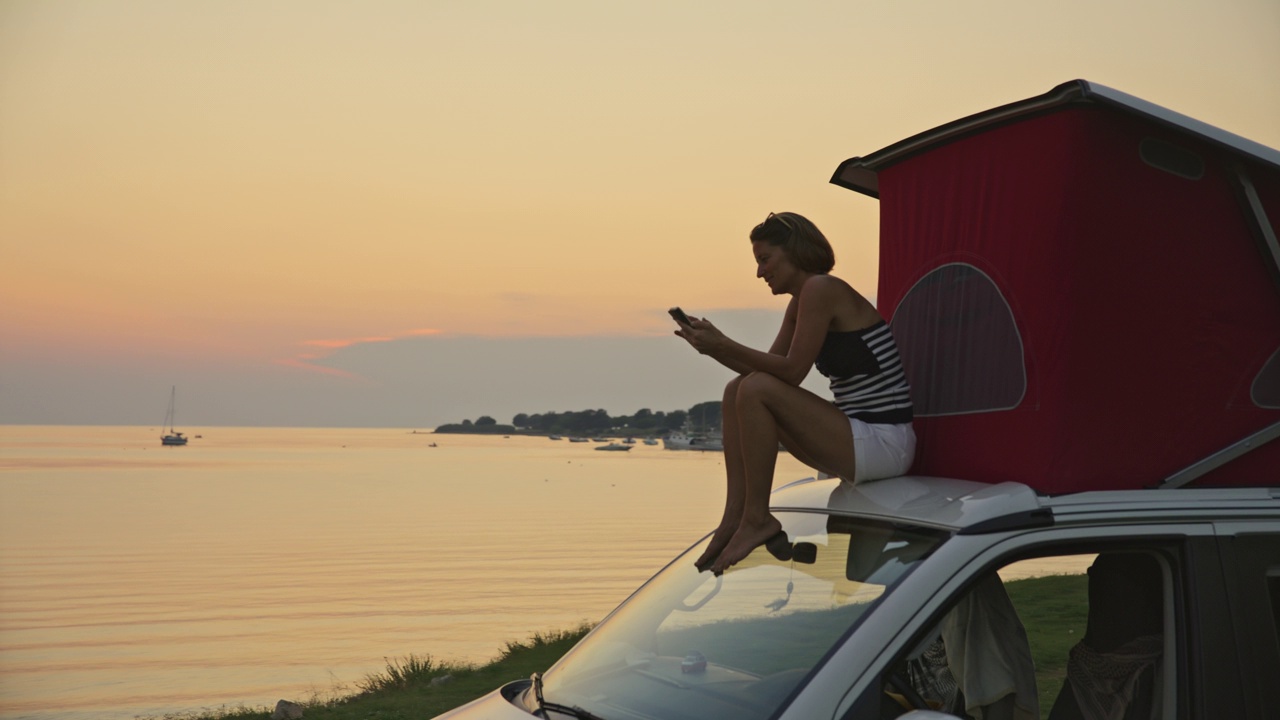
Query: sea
[(259, 564)]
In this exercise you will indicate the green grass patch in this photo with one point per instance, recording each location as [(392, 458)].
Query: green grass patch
[(412, 687)]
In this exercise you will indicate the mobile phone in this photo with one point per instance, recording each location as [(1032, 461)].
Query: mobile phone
[(678, 315)]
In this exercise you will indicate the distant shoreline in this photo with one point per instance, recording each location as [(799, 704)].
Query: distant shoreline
[(593, 423), (456, 429)]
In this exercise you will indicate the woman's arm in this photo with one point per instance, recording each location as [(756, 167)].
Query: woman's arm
[(779, 347), (804, 328)]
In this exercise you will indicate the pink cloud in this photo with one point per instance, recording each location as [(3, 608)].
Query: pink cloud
[(306, 360), (335, 344)]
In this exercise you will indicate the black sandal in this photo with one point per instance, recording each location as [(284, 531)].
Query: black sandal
[(779, 547)]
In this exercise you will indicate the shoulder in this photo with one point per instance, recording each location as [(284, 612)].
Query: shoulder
[(820, 299), (848, 308), (827, 288)]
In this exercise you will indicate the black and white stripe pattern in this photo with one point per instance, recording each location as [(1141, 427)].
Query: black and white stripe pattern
[(882, 397)]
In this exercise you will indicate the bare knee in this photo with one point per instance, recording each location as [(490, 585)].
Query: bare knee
[(757, 386), (729, 403), (731, 389)]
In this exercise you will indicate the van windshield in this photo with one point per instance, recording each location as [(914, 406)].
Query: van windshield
[(693, 645)]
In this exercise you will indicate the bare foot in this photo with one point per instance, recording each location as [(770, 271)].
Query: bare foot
[(719, 539), (747, 538)]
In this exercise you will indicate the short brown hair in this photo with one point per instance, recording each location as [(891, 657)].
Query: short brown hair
[(800, 239)]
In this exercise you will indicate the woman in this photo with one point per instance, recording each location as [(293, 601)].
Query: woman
[(864, 435)]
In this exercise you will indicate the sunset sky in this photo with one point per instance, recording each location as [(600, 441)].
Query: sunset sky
[(395, 213)]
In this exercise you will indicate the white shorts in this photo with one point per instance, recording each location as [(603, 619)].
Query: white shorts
[(881, 451)]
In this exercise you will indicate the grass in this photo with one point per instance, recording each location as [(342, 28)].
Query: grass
[(405, 689), (1052, 609)]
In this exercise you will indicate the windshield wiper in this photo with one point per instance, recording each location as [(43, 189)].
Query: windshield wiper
[(544, 706)]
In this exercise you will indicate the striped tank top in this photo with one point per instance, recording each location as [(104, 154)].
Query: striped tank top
[(866, 374)]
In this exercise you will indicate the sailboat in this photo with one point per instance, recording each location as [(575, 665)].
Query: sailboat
[(172, 437)]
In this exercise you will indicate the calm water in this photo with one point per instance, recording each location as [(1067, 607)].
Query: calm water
[(259, 563)]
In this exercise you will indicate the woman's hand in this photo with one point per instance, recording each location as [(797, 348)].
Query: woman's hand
[(703, 336)]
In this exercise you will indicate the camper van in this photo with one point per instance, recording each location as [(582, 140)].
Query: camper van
[(1085, 289)]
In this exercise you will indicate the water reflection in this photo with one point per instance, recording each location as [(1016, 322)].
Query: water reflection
[(259, 563)]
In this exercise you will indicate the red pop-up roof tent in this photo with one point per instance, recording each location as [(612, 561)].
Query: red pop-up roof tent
[(1085, 288)]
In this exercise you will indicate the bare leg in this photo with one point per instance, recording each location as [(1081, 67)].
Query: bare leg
[(767, 407), (734, 477), (798, 453), (758, 443)]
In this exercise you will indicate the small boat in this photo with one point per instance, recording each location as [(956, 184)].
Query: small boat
[(553, 437), (630, 441), (650, 441), (172, 437), (614, 447), (681, 441), (578, 439)]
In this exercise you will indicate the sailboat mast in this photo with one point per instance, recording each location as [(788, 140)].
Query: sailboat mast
[(172, 436), (169, 416)]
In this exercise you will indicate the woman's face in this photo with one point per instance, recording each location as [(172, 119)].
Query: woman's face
[(775, 267)]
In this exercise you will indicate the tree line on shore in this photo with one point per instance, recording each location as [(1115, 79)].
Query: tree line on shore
[(704, 417)]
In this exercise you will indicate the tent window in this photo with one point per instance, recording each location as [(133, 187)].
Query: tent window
[(959, 344), (1266, 386), (1171, 158)]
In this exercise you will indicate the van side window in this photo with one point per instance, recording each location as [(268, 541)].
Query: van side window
[(1061, 637)]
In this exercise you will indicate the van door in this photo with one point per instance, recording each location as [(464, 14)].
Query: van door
[(1251, 564)]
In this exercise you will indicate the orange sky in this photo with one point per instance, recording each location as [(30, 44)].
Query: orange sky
[(245, 184)]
